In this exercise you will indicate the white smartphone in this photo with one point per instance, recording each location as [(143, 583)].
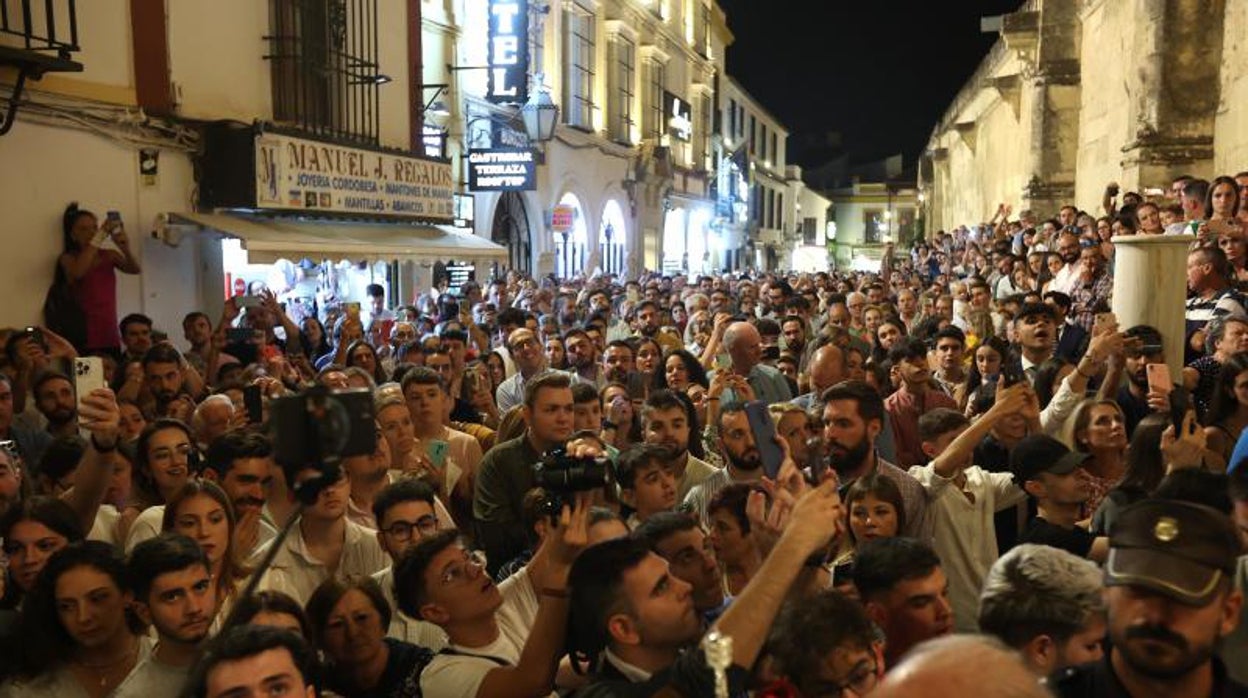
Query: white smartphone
[(88, 375)]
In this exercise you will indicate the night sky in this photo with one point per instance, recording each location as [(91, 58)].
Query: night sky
[(881, 72)]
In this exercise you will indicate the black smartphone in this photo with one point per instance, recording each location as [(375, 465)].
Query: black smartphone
[(254, 404), (239, 335), (764, 431), (1180, 403), (1012, 371)]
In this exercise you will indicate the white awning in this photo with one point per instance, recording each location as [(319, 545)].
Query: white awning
[(270, 239)]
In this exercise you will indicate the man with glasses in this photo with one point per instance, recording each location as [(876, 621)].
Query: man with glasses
[(1069, 275), (504, 639), (530, 360), (826, 646), (406, 514)]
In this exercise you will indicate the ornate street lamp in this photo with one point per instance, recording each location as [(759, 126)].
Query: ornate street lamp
[(540, 114)]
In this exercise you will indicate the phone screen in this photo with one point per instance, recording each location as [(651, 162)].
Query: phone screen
[(254, 404), (437, 450), (764, 432)]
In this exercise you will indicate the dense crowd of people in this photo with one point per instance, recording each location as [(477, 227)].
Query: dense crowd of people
[(983, 481)]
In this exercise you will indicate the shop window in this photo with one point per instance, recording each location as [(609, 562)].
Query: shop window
[(325, 75), (578, 83)]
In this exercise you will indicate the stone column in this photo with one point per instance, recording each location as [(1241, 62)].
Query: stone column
[(1175, 104), (1150, 287)]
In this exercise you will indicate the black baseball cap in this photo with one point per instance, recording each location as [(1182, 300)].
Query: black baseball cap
[(1039, 453), (1179, 549), (1034, 309)]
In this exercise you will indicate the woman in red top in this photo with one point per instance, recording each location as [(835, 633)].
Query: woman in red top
[(90, 272)]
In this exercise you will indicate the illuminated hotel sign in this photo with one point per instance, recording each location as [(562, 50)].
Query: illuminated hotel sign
[(502, 169), (508, 52), (679, 117)]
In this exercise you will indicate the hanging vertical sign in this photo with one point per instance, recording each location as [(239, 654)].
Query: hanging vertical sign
[(508, 52)]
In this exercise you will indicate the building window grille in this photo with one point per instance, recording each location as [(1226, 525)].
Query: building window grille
[(654, 101), (323, 57)]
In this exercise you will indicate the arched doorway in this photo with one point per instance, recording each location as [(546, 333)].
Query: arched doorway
[(611, 236), (572, 246), (511, 230)]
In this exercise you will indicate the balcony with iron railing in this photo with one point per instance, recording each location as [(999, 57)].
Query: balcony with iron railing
[(36, 37)]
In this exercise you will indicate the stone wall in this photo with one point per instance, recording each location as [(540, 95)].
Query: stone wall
[(1078, 93)]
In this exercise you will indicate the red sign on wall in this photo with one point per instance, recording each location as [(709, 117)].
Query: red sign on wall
[(562, 218)]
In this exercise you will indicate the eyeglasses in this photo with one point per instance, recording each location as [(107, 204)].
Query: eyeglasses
[(860, 682), (402, 530), (459, 572)]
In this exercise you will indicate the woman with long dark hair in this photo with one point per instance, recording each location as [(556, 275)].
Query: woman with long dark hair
[(362, 354), (1228, 415), (90, 272), (34, 530), (78, 637), (680, 369)]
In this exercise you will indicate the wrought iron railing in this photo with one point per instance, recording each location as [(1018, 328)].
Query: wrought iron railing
[(325, 71), (39, 25)]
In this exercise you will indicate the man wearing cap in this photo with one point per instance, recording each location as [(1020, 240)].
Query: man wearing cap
[(1171, 600), (1053, 475)]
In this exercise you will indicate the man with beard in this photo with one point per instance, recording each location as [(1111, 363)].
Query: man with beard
[(1089, 294), (853, 418), (172, 383), (666, 423), (582, 356), (241, 462), (1072, 338), (54, 398), (1134, 398), (793, 329), (1171, 599), (1054, 476), (741, 459), (173, 593), (1067, 278), (136, 337), (619, 365)]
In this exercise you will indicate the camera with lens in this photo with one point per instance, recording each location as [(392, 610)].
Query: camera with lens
[(562, 476), (321, 426)]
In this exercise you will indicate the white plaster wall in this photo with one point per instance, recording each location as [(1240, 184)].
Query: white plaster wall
[(56, 166), (216, 59)]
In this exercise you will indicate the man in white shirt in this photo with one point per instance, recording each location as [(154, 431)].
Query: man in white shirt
[(504, 640), (964, 497), (406, 514), (174, 594), (324, 544), (1070, 274)]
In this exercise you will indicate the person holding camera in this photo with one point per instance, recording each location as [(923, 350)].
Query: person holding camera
[(506, 471), (504, 640)]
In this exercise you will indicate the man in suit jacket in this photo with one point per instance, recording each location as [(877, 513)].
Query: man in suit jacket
[(1072, 338)]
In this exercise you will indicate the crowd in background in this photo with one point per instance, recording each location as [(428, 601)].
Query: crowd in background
[(980, 478)]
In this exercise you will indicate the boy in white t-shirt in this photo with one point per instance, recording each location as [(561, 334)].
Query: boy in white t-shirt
[(964, 497)]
